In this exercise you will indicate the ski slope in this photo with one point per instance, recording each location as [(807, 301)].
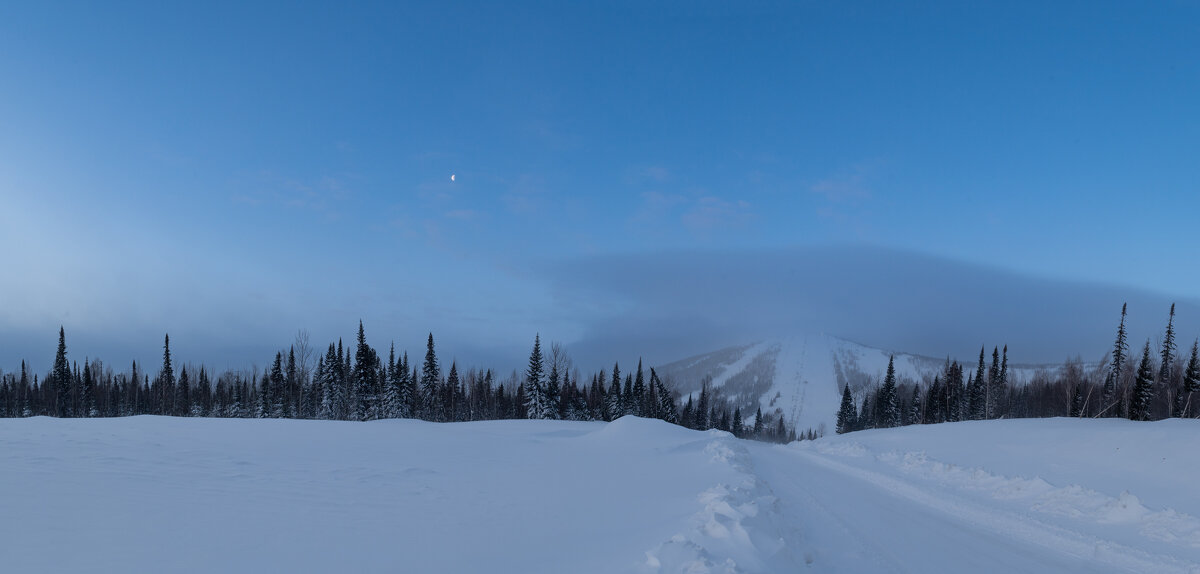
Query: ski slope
[(801, 377), (152, 494)]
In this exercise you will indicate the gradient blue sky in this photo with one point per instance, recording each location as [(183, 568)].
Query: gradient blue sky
[(231, 172)]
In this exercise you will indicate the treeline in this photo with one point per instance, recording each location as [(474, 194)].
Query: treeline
[(1158, 386), (359, 385)]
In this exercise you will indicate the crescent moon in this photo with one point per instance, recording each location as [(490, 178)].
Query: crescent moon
[(451, 177)]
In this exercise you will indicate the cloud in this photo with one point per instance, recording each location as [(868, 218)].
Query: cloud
[(671, 305), (713, 213)]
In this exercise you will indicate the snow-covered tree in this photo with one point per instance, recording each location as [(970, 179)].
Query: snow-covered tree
[(889, 415), (1143, 388), (846, 414)]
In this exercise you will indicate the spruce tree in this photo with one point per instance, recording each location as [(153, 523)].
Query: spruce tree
[(183, 395), (639, 393), (666, 404), (977, 393), (88, 398), (914, 407), (846, 414), (758, 424), (366, 375), (889, 405), (616, 409), (535, 394), (737, 427), (1143, 388), (167, 380), (993, 383), (1113, 381), (700, 418), (60, 377), (1191, 384), (430, 373)]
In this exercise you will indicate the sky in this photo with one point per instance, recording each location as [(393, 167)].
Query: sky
[(630, 178)]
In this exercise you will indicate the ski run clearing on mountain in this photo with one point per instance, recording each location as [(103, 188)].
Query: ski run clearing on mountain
[(157, 494)]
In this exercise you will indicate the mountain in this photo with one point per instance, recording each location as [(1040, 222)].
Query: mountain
[(802, 377)]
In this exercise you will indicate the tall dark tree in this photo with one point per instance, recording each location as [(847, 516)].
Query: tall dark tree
[(1168, 351), (167, 380), (847, 413), (88, 393), (700, 418), (1143, 388), (889, 405), (536, 405), (1112, 382), (666, 403), (616, 409), (60, 377), (1191, 381), (430, 373), (183, 395), (638, 405), (366, 375)]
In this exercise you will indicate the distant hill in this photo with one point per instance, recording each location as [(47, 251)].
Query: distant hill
[(801, 377)]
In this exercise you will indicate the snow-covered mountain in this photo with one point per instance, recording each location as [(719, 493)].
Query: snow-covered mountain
[(801, 377)]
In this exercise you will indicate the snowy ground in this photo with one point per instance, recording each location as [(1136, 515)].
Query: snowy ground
[(190, 495)]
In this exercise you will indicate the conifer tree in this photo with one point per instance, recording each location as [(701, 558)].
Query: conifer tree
[(638, 401), (993, 384), (88, 398), (167, 380), (977, 394), (430, 373), (1113, 381), (1077, 401), (183, 395), (1168, 351), (737, 427), (700, 418), (666, 404), (934, 404), (889, 406), (758, 423), (366, 374), (535, 394), (847, 413), (60, 377), (264, 398), (616, 409), (686, 419), (1191, 382), (914, 407), (1143, 388)]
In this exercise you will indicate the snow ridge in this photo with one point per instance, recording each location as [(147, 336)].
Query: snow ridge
[(738, 530)]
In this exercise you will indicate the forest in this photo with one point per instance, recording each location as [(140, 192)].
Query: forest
[(1156, 386), (360, 385)]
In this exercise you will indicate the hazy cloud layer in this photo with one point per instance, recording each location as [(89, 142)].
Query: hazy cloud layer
[(668, 306)]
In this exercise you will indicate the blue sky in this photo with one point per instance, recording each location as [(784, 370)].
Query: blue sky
[(231, 173)]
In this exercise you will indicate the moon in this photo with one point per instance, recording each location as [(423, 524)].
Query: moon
[(451, 177)]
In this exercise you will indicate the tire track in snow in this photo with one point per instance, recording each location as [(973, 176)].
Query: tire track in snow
[(995, 522)]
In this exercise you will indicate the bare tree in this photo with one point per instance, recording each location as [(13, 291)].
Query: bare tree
[(303, 355)]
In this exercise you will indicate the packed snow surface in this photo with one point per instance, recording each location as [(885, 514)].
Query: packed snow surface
[(155, 494)]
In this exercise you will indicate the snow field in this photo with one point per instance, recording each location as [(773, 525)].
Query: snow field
[(154, 494)]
